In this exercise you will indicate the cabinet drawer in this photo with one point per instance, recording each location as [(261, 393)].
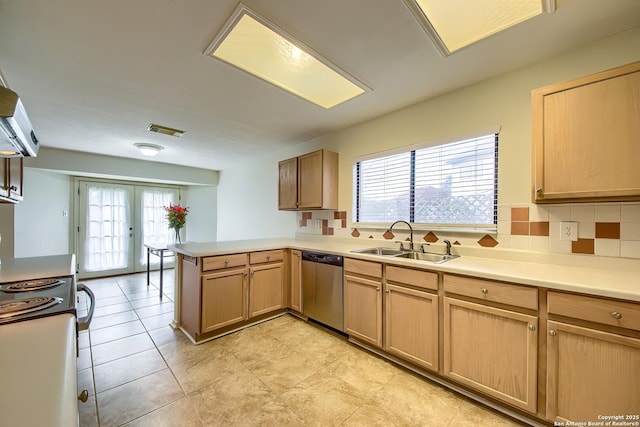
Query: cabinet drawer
[(608, 312), (223, 261), (367, 268), (407, 276), (504, 293), (266, 256)]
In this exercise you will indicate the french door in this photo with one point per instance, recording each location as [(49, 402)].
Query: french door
[(115, 220)]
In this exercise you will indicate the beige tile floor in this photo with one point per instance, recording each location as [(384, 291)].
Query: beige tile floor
[(284, 372)]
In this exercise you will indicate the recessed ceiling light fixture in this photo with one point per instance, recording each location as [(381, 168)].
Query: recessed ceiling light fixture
[(149, 150), (165, 130), (454, 24), (259, 47)]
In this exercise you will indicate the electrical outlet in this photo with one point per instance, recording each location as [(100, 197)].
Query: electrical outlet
[(569, 230)]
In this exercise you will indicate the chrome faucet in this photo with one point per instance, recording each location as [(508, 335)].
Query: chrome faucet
[(410, 229), (448, 250)]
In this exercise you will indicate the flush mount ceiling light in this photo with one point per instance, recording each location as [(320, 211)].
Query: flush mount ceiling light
[(149, 150), (165, 130), (454, 24), (259, 47)]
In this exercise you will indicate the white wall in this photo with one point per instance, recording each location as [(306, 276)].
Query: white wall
[(249, 192), (40, 226), (202, 216)]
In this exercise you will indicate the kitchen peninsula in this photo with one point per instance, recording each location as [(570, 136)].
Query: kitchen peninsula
[(520, 312)]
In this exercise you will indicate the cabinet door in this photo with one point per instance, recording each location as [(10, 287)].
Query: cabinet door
[(585, 137), (591, 373), (492, 350), (265, 289), (363, 309), (288, 184), (296, 281), (411, 325), (224, 299), (4, 177), (310, 180)]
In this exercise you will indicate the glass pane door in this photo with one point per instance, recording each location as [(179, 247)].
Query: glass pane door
[(105, 229)]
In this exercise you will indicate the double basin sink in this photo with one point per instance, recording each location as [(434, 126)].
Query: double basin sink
[(398, 253)]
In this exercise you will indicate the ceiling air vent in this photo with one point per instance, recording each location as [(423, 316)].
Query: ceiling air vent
[(165, 130)]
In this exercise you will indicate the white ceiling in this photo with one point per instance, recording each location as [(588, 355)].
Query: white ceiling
[(94, 74)]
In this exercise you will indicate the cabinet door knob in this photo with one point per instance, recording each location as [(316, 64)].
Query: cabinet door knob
[(532, 327), (553, 333), (616, 315), (377, 289), (268, 257), (226, 262), (539, 190), (485, 291)]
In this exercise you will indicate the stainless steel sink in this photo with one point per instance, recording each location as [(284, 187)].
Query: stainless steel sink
[(427, 256), (397, 253), (379, 251)]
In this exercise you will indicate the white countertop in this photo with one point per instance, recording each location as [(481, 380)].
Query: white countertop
[(38, 372), (43, 267), (608, 277)]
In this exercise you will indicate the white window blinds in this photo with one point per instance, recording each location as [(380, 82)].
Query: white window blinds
[(453, 184)]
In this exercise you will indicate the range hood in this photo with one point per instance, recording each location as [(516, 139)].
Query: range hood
[(17, 138)]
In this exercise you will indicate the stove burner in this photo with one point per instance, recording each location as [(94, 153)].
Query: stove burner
[(32, 285), (26, 305)]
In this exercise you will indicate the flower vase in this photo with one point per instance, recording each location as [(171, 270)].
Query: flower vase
[(177, 236)]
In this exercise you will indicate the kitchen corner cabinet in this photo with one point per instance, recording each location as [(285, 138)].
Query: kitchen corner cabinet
[(309, 181), (411, 315), (11, 171), (593, 358), (266, 280), (585, 138), (296, 281), (489, 346), (363, 300)]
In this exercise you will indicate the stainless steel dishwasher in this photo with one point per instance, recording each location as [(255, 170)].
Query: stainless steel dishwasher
[(322, 289)]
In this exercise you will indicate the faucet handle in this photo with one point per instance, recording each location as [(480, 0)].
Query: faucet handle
[(422, 245), (401, 244)]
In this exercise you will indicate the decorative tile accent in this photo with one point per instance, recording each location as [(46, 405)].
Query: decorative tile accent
[(487, 241), (340, 215), (388, 235), (307, 215), (325, 223), (520, 228), (583, 246), (430, 237), (539, 228), (519, 214), (327, 231), (607, 230), (458, 243), (355, 233)]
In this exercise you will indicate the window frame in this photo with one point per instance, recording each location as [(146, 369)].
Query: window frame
[(468, 228)]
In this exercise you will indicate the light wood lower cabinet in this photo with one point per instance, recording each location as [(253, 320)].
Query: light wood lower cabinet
[(492, 350), (363, 300), (296, 281), (591, 373), (224, 299), (265, 289), (411, 325)]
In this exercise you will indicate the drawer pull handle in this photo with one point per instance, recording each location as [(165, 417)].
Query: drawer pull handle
[(616, 315), (268, 257), (553, 333), (532, 327), (485, 291), (226, 262)]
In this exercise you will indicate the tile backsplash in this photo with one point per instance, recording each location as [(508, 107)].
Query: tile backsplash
[(604, 229)]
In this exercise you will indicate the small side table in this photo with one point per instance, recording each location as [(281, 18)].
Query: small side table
[(161, 251)]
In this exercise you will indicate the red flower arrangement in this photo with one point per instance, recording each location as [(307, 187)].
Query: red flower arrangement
[(177, 216)]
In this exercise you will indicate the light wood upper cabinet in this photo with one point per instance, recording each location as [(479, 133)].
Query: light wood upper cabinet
[(309, 181), (592, 368), (586, 135), (363, 300), (11, 171)]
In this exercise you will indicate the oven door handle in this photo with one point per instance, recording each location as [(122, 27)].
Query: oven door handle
[(83, 322)]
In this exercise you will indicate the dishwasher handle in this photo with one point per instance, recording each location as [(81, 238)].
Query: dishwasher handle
[(322, 258)]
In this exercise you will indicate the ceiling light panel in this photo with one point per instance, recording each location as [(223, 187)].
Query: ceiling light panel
[(259, 47), (454, 24)]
